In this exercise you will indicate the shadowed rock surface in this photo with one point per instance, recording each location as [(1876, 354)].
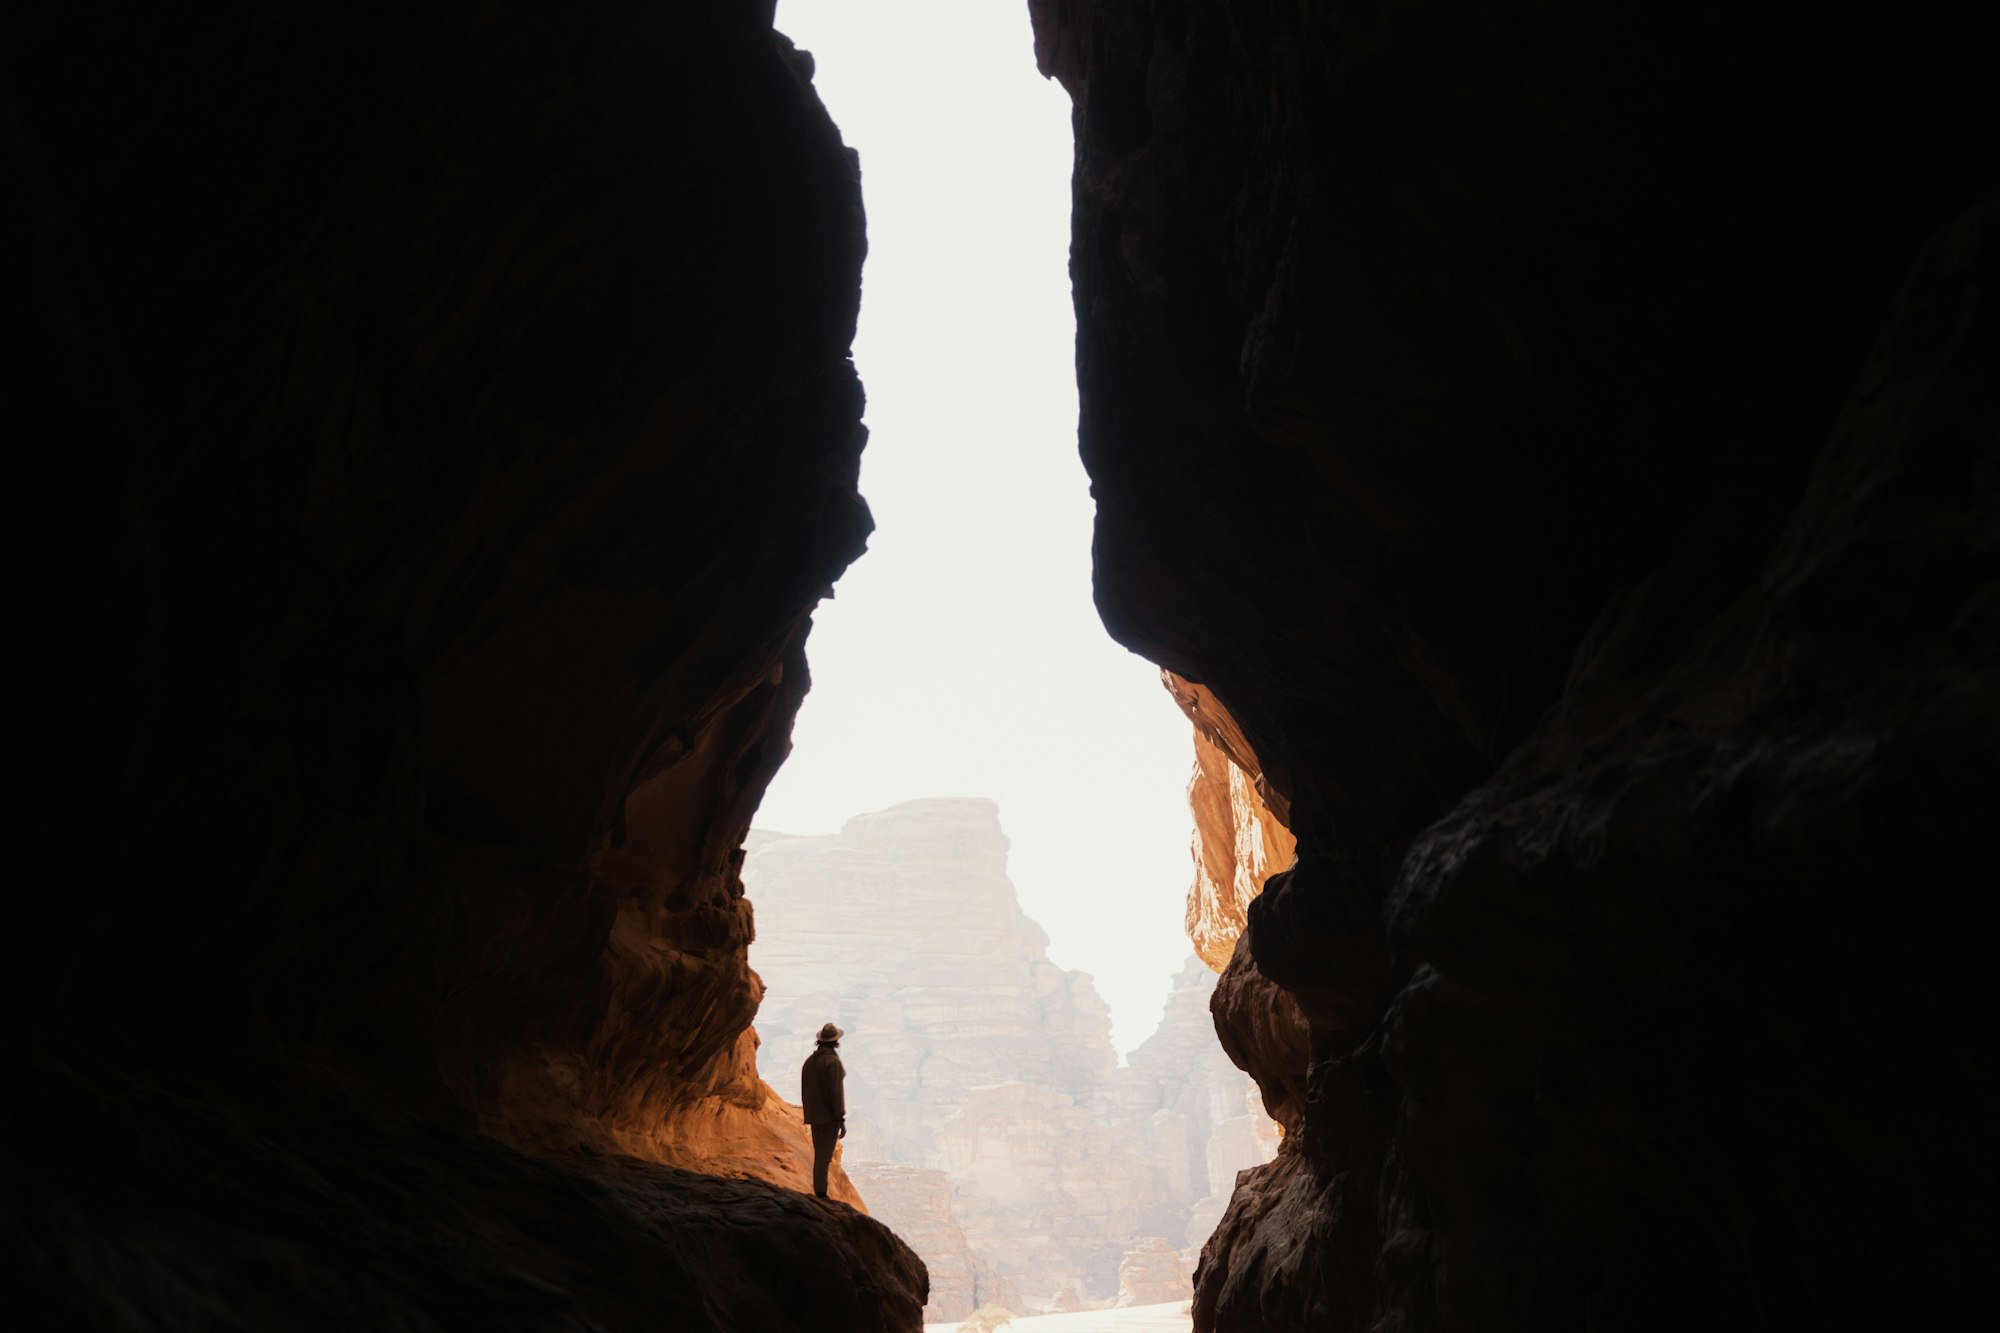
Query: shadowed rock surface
[(461, 432), (205, 1214), (1480, 407)]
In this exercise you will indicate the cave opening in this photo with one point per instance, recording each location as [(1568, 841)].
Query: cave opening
[(975, 856), (1553, 454)]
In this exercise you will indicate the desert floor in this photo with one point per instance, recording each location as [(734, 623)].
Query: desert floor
[(1172, 1318)]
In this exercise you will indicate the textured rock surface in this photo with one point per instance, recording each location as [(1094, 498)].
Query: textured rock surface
[(1152, 1274), (1240, 837), (1456, 390), (915, 1203), (1046, 1187), (462, 432), (967, 1050), (1204, 1122), (904, 930), (969, 1053), (204, 1216)]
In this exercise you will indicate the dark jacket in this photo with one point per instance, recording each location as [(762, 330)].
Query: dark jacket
[(820, 1090)]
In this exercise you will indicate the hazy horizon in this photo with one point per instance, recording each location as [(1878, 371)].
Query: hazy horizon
[(962, 655)]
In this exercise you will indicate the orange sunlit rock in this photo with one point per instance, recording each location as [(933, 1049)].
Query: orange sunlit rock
[(1240, 836)]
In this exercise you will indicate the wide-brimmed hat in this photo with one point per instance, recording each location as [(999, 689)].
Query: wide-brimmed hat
[(829, 1033)]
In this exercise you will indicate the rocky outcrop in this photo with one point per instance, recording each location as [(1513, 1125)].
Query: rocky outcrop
[(279, 1215), (1457, 390), (967, 1050), (969, 1053), (905, 930), (463, 433), (1240, 837), (1152, 1274), (1262, 1030), (1047, 1187), (1202, 1120), (915, 1203), (1240, 840)]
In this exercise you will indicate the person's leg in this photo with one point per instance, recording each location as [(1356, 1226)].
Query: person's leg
[(824, 1137)]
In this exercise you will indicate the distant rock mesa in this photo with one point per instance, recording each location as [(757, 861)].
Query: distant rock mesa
[(975, 1063)]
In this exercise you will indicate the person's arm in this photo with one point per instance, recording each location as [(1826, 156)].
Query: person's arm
[(838, 1078)]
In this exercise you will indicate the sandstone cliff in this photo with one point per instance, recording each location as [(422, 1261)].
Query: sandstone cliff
[(970, 1054), (1462, 393), (1240, 838), (458, 432)]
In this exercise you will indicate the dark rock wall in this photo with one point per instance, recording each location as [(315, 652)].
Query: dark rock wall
[(452, 431), (1457, 389)]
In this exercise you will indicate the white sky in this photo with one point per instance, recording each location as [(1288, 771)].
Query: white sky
[(962, 656)]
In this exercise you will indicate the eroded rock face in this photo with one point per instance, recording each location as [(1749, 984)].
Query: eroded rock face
[(1202, 1121), (1457, 391), (1152, 1274), (279, 1215), (466, 433), (1240, 838)]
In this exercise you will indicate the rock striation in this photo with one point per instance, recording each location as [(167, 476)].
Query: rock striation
[(1240, 837), (456, 432), (974, 1060), (1491, 427)]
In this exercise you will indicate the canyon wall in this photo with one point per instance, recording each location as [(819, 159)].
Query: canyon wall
[(1240, 837), (977, 1065), (451, 430), (1480, 408)]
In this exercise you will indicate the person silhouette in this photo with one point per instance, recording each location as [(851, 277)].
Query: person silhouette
[(822, 1094)]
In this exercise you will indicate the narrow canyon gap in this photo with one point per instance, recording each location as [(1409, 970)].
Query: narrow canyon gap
[(1553, 453), (963, 656)]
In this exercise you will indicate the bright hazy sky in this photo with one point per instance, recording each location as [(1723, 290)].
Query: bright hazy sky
[(962, 656)]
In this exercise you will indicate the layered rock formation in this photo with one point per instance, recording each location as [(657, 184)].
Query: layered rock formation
[(915, 1203), (1152, 1274), (1203, 1120), (464, 433), (1463, 398), (971, 1055)]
